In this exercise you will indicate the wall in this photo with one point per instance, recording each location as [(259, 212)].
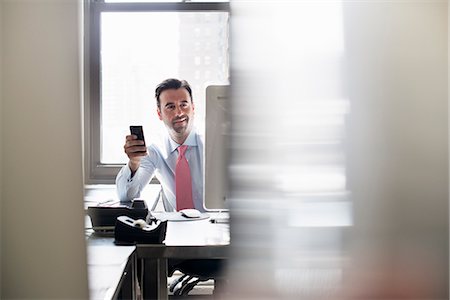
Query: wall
[(42, 225)]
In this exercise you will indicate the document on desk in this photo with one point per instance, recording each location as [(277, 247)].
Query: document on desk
[(197, 232), (220, 217), (200, 233)]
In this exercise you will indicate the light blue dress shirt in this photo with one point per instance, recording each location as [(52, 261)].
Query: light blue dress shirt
[(161, 162)]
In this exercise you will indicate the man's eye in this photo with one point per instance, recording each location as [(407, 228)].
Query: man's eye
[(171, 107)]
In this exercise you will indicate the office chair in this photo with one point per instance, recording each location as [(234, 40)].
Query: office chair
[(193, 272)]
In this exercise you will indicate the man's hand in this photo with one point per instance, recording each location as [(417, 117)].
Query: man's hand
[(135, 150)]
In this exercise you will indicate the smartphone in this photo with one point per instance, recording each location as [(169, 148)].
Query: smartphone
[(137, 131)]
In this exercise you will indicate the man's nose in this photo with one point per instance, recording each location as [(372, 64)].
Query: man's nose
[(179, 111)]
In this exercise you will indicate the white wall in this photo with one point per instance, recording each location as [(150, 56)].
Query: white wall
[(42, 224)]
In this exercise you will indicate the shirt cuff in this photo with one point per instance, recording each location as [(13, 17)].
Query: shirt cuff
[(126, 173)]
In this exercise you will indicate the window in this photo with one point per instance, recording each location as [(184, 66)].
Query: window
[(130, 48)]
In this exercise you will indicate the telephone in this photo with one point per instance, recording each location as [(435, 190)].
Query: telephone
[(103, 217)]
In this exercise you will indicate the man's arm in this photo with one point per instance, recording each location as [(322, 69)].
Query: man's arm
[(135, 149), (130, 187), (129, 181)]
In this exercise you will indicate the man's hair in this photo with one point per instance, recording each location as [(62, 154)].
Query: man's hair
[(170, 84)]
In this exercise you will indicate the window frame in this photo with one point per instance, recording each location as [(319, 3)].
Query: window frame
[(96, 172)]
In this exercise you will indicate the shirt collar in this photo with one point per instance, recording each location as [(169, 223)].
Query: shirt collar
[(190, 141)]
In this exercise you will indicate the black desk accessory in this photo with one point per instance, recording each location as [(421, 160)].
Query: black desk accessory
[(220, 220), (129, 231), (103, 217)]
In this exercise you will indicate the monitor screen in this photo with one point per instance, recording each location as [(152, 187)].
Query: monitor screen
[(217, 131)]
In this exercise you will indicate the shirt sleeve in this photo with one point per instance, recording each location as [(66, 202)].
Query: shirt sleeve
[(129, 187)]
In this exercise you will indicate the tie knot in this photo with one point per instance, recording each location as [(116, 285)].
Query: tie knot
[(182, 149)]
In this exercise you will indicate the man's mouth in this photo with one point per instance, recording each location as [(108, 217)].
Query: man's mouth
[(181, 120)]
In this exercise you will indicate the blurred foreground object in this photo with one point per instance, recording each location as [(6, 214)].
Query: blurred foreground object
[(339, 150)]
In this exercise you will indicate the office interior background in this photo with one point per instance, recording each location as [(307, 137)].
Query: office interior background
[(339, 149)]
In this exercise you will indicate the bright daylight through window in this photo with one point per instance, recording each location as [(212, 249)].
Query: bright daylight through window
[(139, 50), (137, 46)]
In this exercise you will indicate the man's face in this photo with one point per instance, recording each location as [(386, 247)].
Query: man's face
[(177, 112)]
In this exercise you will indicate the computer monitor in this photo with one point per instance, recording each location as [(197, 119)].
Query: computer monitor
[(217, 132)]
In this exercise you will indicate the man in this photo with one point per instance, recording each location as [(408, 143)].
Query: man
[(175, 108)]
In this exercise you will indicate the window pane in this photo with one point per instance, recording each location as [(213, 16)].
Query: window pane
[(138, 51)]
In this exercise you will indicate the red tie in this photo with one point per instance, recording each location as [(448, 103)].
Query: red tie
[(183, 181)]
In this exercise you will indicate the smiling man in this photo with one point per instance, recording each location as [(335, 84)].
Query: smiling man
[(177, 163)]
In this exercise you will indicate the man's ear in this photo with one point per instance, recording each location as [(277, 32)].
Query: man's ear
[(159, 113)]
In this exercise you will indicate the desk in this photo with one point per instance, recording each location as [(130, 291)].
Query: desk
[(185, 240), (110, 269)]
